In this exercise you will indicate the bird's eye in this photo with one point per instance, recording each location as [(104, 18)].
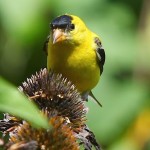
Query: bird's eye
[(63, 26), (72, 26)]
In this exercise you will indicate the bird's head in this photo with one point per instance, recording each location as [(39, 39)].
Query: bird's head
[(67, 28)]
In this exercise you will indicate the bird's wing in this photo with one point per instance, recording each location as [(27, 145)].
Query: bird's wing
[(100, 54), (45, 47), (100, 60)]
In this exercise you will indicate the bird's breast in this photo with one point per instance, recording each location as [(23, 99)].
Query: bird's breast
[(79, 65)]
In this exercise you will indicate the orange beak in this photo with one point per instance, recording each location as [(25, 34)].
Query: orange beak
[(58, 35)]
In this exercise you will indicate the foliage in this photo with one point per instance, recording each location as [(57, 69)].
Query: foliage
[(15, 103)]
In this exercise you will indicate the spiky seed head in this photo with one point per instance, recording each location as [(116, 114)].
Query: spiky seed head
[(53, 92), (60, 136)]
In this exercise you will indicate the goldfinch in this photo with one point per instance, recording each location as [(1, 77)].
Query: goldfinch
[(75, 52)]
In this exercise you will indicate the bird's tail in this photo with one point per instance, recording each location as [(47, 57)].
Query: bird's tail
[(85, 96)]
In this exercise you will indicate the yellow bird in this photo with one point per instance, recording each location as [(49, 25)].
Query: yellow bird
[(75, 52)]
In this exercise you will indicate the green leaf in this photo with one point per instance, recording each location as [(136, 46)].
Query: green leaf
[(14, 102)]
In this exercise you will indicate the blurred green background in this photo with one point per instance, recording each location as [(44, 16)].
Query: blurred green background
[(123, 123)]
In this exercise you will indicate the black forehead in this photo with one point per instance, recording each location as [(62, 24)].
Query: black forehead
[(62, 20)]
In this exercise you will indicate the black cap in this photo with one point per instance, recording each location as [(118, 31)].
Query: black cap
[(61, 22)]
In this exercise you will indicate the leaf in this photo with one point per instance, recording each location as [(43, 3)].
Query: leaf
[(14, 102)]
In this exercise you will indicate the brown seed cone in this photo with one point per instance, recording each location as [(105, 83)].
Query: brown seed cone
[(53, 92), (59, 137)]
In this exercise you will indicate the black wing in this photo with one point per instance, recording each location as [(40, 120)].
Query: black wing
[(100, 54), (45, 47)]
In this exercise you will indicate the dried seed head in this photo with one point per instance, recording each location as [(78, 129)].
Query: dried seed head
[(60, 136), (53, 92)]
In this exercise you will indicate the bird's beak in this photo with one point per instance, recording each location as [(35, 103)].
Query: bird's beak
[(58, 35)]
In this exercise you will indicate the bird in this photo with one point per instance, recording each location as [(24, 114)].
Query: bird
[(76, 52)]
